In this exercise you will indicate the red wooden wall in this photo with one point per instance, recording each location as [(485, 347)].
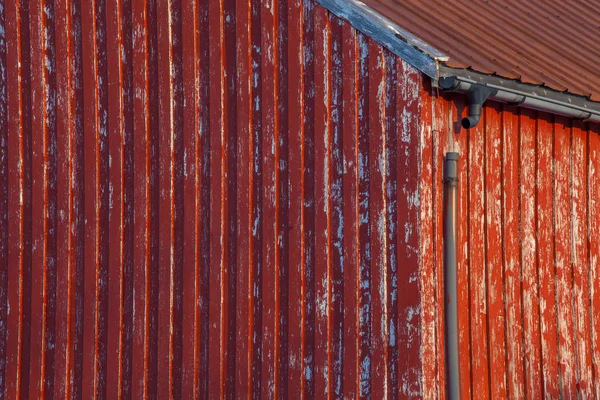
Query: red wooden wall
[(244, 198), (529, 299), (203, 199)]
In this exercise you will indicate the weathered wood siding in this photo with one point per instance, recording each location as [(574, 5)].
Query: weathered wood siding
[(205, 199), (528, 250), (244, 199)]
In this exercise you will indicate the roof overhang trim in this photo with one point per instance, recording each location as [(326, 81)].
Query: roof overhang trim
[(410, 48)]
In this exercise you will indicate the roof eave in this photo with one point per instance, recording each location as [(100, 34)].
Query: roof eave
[(526, 95), (430, 61), (410, 48)]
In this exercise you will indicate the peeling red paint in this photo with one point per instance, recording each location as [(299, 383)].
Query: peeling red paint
[(244, 199), (206, 210), (526, 306)]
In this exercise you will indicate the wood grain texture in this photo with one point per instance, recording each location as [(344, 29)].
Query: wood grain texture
[(206, 199), (546, 262), (525, 213)]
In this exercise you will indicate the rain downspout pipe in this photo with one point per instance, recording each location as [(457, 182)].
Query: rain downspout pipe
[(476, 96), (450, 276)]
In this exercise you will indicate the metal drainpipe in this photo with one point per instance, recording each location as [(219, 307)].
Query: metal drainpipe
[(450, 266)]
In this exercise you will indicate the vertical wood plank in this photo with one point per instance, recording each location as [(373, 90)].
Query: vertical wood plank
[(120, 121), (593, 198), (406, 335), (142, 213), (70, 186), (477, 257), (308, 281), (269, 317), (146, 200), (194, 208), (171, 202), (38, 200), (528, 210), (256, 199), (440, 146), (203, 199), (336, 263), (44, 212), (115, 209), (65, 131), (216, 132), (274, 345), (429, 385), (164, 383), (229, 146), (579, 154), (351, 217), (296, 117), (283, 196), (3, 201), (322, 204), (301, 122), (564, 270), (493, 251), (389, 189), (19, 198), (364, 181), (546, 262), (377, 220), (96, 196), (512, 261), (309, 238), (243, 29)]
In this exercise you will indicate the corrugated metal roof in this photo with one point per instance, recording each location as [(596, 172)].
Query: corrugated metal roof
[(540, 42)]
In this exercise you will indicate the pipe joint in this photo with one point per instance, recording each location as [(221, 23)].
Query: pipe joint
[(476, 96)]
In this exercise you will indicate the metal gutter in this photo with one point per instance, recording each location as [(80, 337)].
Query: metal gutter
[(521, 94), (404, 44)]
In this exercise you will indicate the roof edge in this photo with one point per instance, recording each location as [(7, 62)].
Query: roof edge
[(526, 95), (430, 61), (404, 44)]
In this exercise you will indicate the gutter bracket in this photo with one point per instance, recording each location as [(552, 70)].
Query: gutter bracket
[(476, 97)]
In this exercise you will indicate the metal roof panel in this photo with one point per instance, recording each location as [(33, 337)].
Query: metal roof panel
[(536, 42)]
